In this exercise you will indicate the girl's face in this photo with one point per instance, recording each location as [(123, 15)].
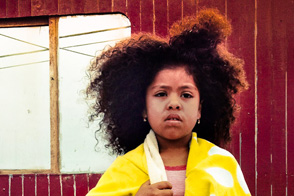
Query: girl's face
[(172, 104)]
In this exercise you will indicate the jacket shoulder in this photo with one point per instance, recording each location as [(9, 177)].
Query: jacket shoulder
[(124, 177)]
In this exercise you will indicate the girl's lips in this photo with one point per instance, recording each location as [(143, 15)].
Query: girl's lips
[(173, 117)]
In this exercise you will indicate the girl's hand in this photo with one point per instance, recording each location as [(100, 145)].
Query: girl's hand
[(159, 188)]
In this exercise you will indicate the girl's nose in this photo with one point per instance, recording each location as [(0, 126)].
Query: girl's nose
[(171, 107), (174, 104)]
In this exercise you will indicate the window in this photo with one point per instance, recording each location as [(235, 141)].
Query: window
[(80, 40), (24, 100), (37, 118)]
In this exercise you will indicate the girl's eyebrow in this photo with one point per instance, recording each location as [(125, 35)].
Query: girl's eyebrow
[(161, 86), (186, 86)]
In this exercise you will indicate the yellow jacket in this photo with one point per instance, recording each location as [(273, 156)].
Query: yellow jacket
[(211, 171)]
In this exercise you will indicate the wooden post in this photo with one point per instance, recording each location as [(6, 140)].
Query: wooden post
[(54, 94)]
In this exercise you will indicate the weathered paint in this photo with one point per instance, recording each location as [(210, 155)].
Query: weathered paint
[(263, 35), (264, 42), (289, 100), (47, 184)]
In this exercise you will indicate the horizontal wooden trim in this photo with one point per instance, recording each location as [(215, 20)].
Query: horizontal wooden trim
[(26, 171), (43, 20), (24, 22)]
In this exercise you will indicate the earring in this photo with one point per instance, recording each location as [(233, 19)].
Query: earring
[(198, 121), (145, 119)]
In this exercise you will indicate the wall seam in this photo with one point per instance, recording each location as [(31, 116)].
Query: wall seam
[(60, 182), (9, 185), (22, 185), (36, 184), (255, 93), (153, 6), (286, 125), (74, 185), (48, 178)]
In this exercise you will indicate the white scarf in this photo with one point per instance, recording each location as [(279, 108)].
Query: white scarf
[(156, 169)]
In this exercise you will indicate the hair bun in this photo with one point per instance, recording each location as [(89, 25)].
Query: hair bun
[(209, 24)]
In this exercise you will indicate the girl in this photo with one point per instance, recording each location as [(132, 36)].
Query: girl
[(166, 104)]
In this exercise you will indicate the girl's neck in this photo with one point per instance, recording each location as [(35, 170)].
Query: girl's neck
[(175, 157), (174, 153), (173, 145)]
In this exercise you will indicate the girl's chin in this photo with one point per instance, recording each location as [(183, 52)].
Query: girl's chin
[(175, 135)]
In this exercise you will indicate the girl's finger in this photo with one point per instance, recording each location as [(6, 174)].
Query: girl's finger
[(166, 192), (163, 185)]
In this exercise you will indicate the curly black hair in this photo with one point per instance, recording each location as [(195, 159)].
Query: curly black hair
[(121, 75)]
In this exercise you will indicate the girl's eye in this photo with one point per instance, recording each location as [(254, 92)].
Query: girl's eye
[(161, 94), (187, 95)]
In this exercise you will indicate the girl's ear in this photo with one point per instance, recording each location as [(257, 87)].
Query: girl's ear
[(199, 108), (144, 113)]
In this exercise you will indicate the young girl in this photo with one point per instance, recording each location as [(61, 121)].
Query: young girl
[(166, 104)]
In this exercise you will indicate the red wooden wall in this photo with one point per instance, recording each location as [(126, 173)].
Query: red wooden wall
[(47, 184), (263, 36)]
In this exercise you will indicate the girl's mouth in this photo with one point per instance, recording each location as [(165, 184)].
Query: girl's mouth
[(173, 117)]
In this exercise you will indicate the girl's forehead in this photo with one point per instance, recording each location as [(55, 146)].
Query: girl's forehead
[(173, 72), (174, 75)]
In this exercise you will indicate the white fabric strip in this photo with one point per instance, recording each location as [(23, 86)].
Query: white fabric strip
[(156, 169)]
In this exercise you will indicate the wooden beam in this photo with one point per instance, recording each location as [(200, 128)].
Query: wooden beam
[(23, 22), (24, 171), (54, 94)]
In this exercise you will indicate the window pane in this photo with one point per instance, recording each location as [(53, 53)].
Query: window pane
[(81, 38), (24, 100)]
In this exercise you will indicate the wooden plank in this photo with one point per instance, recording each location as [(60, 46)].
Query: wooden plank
[(42, 184), (119, 6), (4, 185), (235, 143), (64, 7), (104, 6), (241, 43), (279, 57), (161, 27), (55, 187), (24, 171), (189, 7), (264, 94), (290, 98), (54, 93), (29, 185), (11, 8), (81, 184), (146, 24), (174, 11), (38, 7), (77, 6), (93, 180), (16, 185), (25, 8), (24, 22), (51, 7), (235, 146), (219, 4), (91, 6), (133, 12), (2, 8), (67, 184)]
